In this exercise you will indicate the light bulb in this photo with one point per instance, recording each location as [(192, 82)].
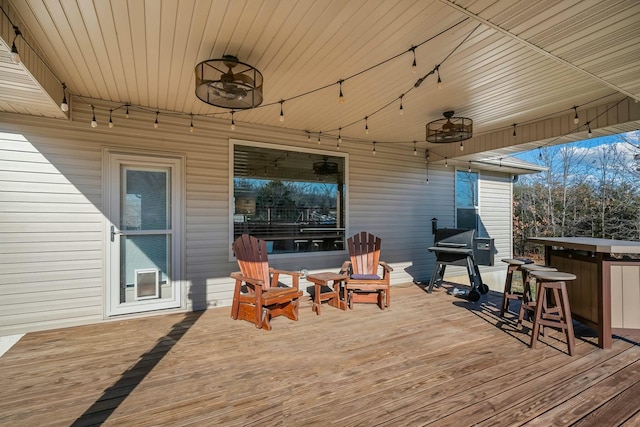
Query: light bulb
[(401, 109), (126, 113), (64, 106), (461, 146), (155, 125), (15, 57), (282, 117), (341, 97), (94, 124)]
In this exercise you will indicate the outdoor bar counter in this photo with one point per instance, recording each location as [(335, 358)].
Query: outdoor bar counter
[(606, 294)]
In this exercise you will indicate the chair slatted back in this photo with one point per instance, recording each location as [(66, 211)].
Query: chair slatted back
[(364, 251), (251, 254)]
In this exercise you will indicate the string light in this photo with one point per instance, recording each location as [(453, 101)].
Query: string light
[(576, 119), (589, 133), (15, 56), (446, 162), (439, 79), (461, 146), (514, 131), (308, 136), (64, 106), (414, 66), (126, 112), (191, 128), (501, 162), (110, 121), (233, 123), (469, 170), (156, 124), (374, 148), (319, 133), (427, 155), (539, 154), (401, 108), (341, 97), (281, 110), (415, 149), (339, 136), (366, 125), (94, 123)]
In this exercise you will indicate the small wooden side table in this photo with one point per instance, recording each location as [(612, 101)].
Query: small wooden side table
[(333, 297)]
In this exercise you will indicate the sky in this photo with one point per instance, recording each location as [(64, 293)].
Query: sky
[(628, 144)]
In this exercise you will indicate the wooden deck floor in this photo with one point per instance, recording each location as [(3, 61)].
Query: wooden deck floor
[(427, 360)]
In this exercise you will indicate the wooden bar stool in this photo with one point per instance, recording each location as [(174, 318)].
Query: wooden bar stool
[(528, 304), (508, 294), (557, 315)]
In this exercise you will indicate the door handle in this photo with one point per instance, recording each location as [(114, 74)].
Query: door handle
[(114, 232)]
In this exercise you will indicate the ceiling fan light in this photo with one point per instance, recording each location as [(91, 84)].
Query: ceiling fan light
[(449, 129), (228, 83)]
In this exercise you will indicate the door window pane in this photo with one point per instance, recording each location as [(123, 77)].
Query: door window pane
[(140, 256), (144, 204)]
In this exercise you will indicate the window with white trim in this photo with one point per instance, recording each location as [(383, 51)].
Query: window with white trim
[(466, 199), (292, 199)]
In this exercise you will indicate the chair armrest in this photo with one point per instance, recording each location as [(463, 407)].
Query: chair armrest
[(386, 266), (345, 267), (238, 276)]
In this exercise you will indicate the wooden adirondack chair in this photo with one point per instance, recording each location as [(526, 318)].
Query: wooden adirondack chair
[(258, 296), (363, 283)]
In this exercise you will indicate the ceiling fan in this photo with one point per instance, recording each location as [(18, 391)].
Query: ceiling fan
[(449, 129), (325, 167), (228, 83)]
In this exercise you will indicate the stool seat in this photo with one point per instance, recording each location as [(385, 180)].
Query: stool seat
[(552, 276), (537, 267), (516, 261)]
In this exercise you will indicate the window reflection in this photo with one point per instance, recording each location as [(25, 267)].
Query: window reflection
[(293, 200)]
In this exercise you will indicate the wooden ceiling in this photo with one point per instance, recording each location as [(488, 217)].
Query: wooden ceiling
[(500, 61)]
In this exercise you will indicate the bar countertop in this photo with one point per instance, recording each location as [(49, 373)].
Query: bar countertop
[(607, 246)]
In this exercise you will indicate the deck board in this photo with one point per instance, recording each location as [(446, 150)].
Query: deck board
[(428, 359)]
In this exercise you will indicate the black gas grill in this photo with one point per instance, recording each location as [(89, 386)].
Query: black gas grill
[(455, 246)]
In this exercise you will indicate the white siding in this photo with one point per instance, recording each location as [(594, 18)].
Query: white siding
[(52, 226), (496, 192)]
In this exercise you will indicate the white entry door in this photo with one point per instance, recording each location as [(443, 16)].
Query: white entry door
[(143, 234)]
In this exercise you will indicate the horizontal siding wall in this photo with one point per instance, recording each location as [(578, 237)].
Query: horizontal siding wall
[(496, 214), (51, 251), (50, 228)]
